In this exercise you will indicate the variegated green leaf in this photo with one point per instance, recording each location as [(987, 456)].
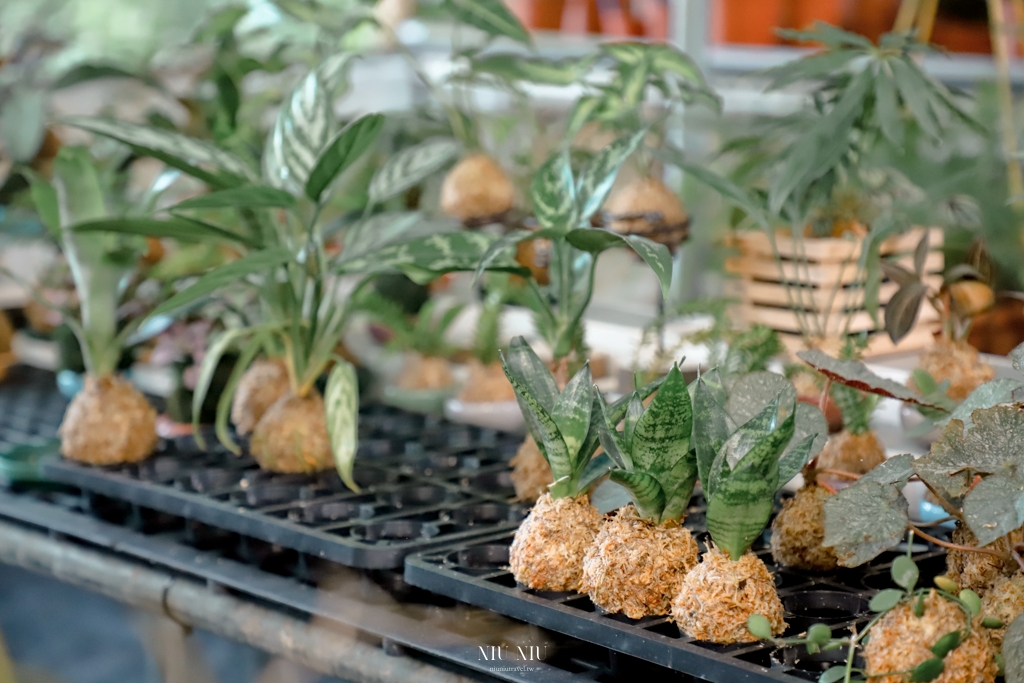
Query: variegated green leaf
[(245, 358), (598, 177), (333, 72), (538, 70), (198, 158), (662, 434), (211, 359), (644, 490), (615, 412), (532, 373), (383, 229), (739, 511), (554, 193), (611, 440), (246, 196), (598, 467), (678, 485), (626, 52), (655, 255), (710, 430), (864, 520), (341, 152), (504, 244), (634, 411), (341, 406), (796, 456), (428, 257), (572, 415), (411, 166), (490, 16), (665, 57), (582, 112), (547, 430), (634, 82), (304, 126), (750, 433)]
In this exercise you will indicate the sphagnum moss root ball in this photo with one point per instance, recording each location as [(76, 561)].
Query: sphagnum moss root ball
[(849, 452), (958, 362), (476, 189), (531, 473), (646, 207), (719, 595), (900, 641), (979, 571), (636, 567), (1005, 602), (107, 423), (292, 436), (421, 372), (547, 552), (799, 530), (262, 384)]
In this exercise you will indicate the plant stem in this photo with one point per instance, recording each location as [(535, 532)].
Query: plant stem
[(839, 473), (953, 546), (943, 502), (1016, 556)]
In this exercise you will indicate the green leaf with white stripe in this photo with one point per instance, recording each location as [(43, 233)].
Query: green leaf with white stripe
[(662, 434), (598, 177), (304, 126), (554, 447), (645, 491), (582, 112), (492, 17), (629, 52), (572, 415), (655, 255), (341, 152), (554, 193), (634, 81), (341, 408), (666, 58), (504, 244), (198, 158), (214, 352), (425, 258), (246, 196), (410, 167), (536, 70), (532, 372)]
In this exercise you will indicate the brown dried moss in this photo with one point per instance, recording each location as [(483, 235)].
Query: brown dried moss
[(260, 387), (486, 384), (978, 571), (799, 529), (646, 207), (849, 452), (901, 641), (292, 436), (958, 362), (1005, 602), (476, 190), (636, 567), (531, 473), (107, 423), (425, 372), (719, 595), (547, 551)]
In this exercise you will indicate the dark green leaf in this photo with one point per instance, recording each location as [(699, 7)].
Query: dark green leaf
[(662, 434), (341, 406), (257, 263), (800, 451), (597, 178), (886, 600), (819, 633), (490, 16), (943, 645), (738, 511), (597, 468), (915, 91), (657, 256), (176, 227), (247, 196), (855, 374), (350, 144), (928, 670), (750, 432), (813, 67), (992, 622), (644, 490), (921, 254), (411, 166), (887, 110), (572, 415), (554, 194), (83, 73), (904, 572), (898, 274), (902, 310)]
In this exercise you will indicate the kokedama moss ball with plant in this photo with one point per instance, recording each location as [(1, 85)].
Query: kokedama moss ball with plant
[(641, 554)]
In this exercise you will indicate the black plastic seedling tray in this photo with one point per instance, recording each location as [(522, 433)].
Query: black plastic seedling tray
[(424, 482), (477, 573), (31, 408)]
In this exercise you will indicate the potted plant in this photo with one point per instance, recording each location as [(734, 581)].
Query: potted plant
[(741, 470), (637, 562), (548, 548)]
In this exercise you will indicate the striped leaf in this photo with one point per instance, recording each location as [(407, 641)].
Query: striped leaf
[(572, 415), (554, 446), (615, 413), (598, 467), (425, 258), (177, 227), (655, 255), (246, 196), (504, 244), (662, 434), (666, 58), (198, 158), (750, 433), (341, 407), (763, 456), (554, 193), (611, 440), (537, 70), (710, 430), (634, 411), (492, 17), (410, 167), (678, 485), (597, 178), (342, 151), (810, 424), (644, 490), (634, 82), (738, 512), (532, 372), (304, 126), (626, 52), (582, 112)]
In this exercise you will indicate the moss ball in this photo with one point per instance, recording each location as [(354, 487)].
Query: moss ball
[(486, 384), (637, 567), (719, 595), (1005, 602), (548, 548), (260, 387), (960, 363), (900, 641), (425, 372), (646, 207), (292, 436), (799, 530), (849, 452), (476, 190), (531, 473), (979, 571), (109, 422)]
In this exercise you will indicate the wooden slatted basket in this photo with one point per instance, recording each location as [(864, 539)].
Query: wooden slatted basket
[(817, 280)]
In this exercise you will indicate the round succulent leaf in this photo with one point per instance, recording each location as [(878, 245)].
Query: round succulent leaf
[(819, 634), (759, 626), (885, 600), (946, 643), (971, 600), (928, 670), (992, 622), (904, 572), (833, 675), (661, 437)]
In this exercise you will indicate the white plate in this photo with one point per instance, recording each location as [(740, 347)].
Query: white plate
[(504, 416)]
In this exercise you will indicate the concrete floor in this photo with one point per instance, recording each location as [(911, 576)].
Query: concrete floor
[(58, 633)]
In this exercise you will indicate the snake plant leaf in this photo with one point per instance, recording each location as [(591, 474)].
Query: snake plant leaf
[(678, 484), (596, 180), (182, 152), (710, 430), (572, 414), (532, 372), (634, 410), (752, 392), (410, 167), (1013, 651), (244, 196), (656, 256), (256, 263), (739, 510), (855, 374), (304, 127), (547, 433), (763, 456), (661, 436), (994, 507), (749, 433), (865, 520), (796, 456), (553, 193), (612, 442), (341, 405), (644, 490), (341, 152), (597, 468), (492, 17), (615, 412), (810, 422)]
